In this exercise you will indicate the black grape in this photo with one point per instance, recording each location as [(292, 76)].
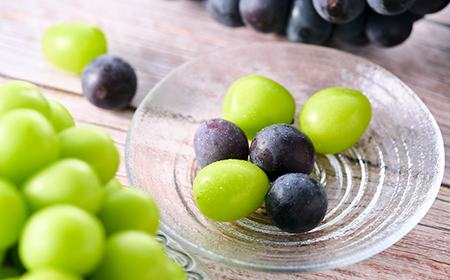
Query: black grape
[(390, 7), (339, 11), (218, 139), (109, 82), (265, 15), (423, 7), (296, 203), (388, 31), (280, 148), (353, 31), (305, 25), (225, 11)]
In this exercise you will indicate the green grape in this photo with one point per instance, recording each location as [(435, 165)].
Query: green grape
[(50, 274), (129, 209), (254, 102), (229, 190), (335, 119), (27, 142), (68, 181), (13, 212), (21, 94), (72, 45), (61, 118), (62, 236), (132, 255), (113, 185), (93, 145), (174, 271), (7, 272)]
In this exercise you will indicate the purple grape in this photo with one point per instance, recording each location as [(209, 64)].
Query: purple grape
[(280, 148), (423, 7), (353, 31), (390, 7), (388, 31), (225, 11), (339, 11), (265, 15), (109, 82), (296, 203), (218, 139), (305, 25)]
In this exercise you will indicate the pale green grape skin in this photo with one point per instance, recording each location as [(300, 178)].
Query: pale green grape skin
[(335, 118), (21, 94), (254, 102), (69, 181), (174, 271), (62, 236), (129, 209), (132, 255), (27, 142), (13, 213), (50, 274), (61, 118), (229, 190), (93, 145), (72, 45), (113, 185)]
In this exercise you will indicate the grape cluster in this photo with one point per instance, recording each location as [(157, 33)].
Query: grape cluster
[(384, 23), (108, 82), (231, 186), (63, 214), (235, 179)]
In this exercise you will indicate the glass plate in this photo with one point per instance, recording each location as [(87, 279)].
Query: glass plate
[(378, 190)]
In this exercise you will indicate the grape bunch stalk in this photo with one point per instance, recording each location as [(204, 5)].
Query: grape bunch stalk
[(383, 23)]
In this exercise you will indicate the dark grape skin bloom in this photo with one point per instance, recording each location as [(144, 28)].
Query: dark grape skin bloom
[(219, 139), (296, 203), (280, 148), (265, 16), (109, 82), (226, 12)]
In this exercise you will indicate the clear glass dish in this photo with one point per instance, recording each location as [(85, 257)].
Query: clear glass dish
[(378, 190)]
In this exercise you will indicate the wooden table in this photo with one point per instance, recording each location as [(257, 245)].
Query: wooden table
[(156, 36)]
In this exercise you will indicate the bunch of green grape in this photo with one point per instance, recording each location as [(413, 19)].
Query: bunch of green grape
[(63, 214)]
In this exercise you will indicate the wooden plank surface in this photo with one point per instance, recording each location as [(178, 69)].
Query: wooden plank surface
[(156, 36)]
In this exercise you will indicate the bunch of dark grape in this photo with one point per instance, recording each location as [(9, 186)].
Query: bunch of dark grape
[(383, 23)]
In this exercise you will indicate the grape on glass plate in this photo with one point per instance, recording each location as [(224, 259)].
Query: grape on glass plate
[(296, 203), (254, 102), (218, 139), (229, 190), (280, 148)]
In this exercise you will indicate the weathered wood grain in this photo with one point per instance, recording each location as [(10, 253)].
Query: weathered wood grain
[(156, 36)]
